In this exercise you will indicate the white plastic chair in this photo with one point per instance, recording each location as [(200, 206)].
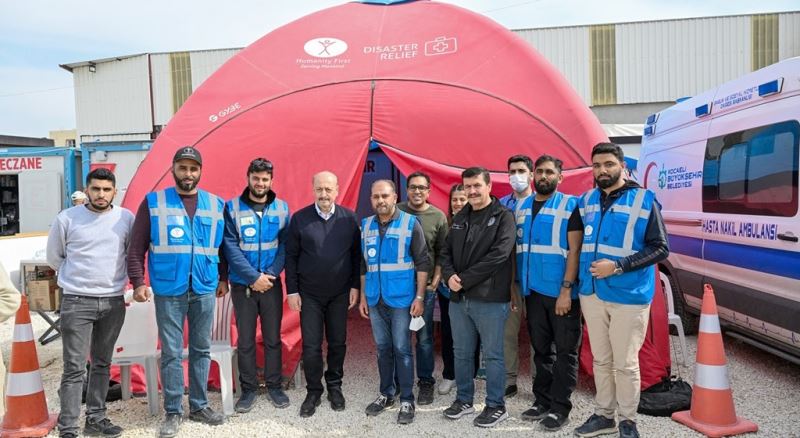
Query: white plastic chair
[(222, 352), (138, 344), (672, 318)]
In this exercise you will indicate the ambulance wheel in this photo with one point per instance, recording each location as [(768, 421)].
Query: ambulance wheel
[(689, 320)]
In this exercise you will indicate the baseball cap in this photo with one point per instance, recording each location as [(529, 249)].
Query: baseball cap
[(188, 153), (76, 195)]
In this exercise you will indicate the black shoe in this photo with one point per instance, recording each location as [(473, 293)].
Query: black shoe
[(278, 398), (490, 416), (68, 435), (309, 405), (554, 421), (336, 398), (596, 425), (535, 413), (207, 416), (406, 414), (425, 395), (103, 428), (511, 391), (379, 405), (245, 402), (458, 409), (627, 429), (169, 427)]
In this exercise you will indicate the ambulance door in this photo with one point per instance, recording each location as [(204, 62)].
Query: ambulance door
[(40, 200)]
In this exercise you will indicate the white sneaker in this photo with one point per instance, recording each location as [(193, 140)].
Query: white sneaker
[(446, 386)]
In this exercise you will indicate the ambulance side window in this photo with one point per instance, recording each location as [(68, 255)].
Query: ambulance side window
[(754, 171)]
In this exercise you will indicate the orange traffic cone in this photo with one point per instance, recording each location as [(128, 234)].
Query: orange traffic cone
[(712, 412), (26, 414)]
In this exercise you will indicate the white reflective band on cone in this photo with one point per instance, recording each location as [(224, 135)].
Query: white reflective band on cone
[(711, 376), (24, 383), (709, 323), (23, 333)]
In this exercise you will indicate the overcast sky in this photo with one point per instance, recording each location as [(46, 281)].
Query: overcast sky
[(36, 96)]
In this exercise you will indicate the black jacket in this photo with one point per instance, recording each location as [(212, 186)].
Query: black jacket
[(484, 263)]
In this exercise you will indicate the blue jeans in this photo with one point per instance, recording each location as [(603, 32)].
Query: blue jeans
[(393, 342), (424, 347), (89, 327), (171, 312), (469, 319)]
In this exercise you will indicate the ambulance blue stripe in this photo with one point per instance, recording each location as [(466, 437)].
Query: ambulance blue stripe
[(768, 260)]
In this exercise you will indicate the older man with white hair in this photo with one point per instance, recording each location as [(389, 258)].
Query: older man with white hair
[(322, 279)]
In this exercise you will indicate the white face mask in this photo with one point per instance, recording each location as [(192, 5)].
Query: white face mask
[(519, 182)]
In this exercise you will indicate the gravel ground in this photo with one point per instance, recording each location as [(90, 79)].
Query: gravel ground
[(766, 391)]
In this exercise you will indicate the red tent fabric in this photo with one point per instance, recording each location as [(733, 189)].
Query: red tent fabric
[(654, 358), (440, 88)]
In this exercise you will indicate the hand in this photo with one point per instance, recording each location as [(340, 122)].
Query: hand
[(141, 294), (222, 288), (563, 302), (602, 268), (516, 298), (354, 294), (262, 284), (454, 283), (417, 307), (363, 307), (295, 303)]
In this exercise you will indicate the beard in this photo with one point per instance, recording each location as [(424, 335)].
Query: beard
[(100, 207), (186, 187), (545, 187), (606, 183), (258, 193)]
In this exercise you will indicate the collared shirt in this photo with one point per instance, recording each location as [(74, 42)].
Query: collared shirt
[(322, 214)]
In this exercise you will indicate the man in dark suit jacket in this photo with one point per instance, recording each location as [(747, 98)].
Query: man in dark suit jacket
[(323, 259)]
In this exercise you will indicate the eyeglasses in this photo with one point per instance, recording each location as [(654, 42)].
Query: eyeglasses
[(413, 188), (262, 162)]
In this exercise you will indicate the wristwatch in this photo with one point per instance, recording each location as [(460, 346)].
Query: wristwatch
[(617, 268), (420, 297), (567, 284)]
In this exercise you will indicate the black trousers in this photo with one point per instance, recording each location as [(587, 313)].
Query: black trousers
[(269, 307), (448, 357), (556, 368), (324, 316)]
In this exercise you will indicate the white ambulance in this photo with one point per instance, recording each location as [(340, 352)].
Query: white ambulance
[(724, 166)]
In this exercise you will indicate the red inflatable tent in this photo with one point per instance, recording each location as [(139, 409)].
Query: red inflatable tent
[(438, 88)]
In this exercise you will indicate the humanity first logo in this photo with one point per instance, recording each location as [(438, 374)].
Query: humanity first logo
[(325, 47), (325, 53)]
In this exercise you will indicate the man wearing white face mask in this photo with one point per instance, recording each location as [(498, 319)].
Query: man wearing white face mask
[(520, 176)]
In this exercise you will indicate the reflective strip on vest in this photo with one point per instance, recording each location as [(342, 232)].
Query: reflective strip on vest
[(390, 267), (634, 212), (402, 234), (162, 211)]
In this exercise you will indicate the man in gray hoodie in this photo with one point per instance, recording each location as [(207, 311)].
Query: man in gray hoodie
[(88, 246)]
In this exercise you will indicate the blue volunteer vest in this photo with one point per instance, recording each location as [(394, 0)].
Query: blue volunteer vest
[(618, 233), (181, 249), (258, 236), (542, 246), (390, 267)]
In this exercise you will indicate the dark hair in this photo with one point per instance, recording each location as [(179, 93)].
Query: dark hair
[(521, 159), (609, 148), (101, 173), (453, 189), (260, 165), (545, 158), (418, 175), (472, 172), (385, 181)]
